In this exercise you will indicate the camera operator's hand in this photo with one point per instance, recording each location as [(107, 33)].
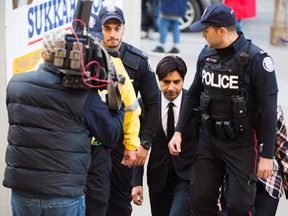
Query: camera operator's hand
[(118, 85), (128, 158), (120, 81)]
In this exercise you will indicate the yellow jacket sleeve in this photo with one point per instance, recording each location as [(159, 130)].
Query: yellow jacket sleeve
[(131, 125)]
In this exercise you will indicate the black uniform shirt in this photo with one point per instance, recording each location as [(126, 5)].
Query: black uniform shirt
[(144, 81)]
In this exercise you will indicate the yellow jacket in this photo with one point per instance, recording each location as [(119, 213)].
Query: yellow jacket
[(131, 125)]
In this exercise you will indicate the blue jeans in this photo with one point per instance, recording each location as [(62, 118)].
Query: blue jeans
[(164, 25), (30, 205)]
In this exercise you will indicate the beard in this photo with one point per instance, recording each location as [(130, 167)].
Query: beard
[(112, 44)]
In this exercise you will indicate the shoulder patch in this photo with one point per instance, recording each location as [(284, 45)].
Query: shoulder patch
[(268, 64), (137, 51), (150, 65)]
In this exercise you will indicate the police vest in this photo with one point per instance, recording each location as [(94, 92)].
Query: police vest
[(222, 80)]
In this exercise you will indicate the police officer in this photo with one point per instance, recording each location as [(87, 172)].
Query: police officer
[(144, 81), (235, 86)]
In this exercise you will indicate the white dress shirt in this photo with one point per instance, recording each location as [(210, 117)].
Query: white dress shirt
[(164, 110)]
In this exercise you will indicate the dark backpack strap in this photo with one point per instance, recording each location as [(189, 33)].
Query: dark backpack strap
[(248, 51)]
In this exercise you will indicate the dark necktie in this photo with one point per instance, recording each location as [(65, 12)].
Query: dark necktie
[(170, 121)]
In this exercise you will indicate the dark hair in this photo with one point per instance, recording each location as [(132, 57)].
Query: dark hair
[(232, 28), (169, 64)]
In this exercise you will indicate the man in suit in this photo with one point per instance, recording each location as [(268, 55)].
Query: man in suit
[(168, 177)]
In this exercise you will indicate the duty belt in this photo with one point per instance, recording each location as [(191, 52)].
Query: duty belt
[(224, 128)]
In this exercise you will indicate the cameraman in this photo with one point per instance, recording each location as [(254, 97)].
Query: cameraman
[(50, 131)]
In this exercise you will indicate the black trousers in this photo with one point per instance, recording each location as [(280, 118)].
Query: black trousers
[(98, 182), (214, 158), (121, 188), (173, 200), (265, 205)]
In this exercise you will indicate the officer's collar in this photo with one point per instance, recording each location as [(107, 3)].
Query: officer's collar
[(235, 46), (239, 43), (122, 48)]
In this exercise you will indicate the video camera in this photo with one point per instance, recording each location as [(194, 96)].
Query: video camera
[(83, 62)]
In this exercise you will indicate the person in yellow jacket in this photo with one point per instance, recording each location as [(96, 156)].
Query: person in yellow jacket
[(131, 125), (98, 182)]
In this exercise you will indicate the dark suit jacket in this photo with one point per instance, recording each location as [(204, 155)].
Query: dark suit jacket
[(158, 165)]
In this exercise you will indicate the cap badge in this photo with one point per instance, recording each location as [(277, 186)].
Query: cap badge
[(92, 22), (110, 9)]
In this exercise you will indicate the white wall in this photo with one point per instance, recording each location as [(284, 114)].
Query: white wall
[(4, 193), (132, 13)]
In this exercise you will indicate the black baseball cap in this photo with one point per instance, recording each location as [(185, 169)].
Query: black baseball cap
[(95, 27), (111, 12), (216, 15)]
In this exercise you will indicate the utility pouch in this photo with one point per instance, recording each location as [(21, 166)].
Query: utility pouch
[(219, 129), (207, 121), (228, 128), (204, 102)]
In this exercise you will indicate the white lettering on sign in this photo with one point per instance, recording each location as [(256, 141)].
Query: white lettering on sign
[(52, 14), (220, 80)]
